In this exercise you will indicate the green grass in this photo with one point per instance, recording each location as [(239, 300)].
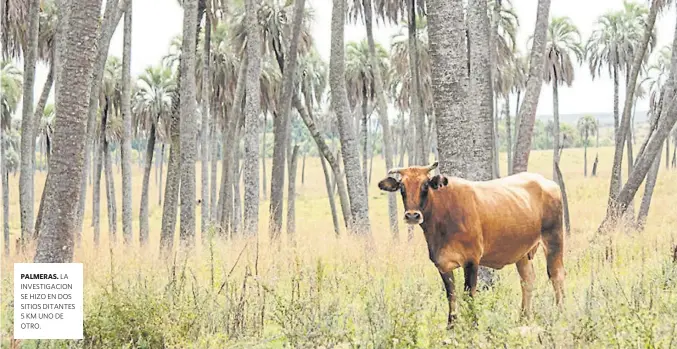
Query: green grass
[(329, 292)]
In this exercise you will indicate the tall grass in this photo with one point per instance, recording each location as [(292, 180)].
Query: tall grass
[(329, 292)]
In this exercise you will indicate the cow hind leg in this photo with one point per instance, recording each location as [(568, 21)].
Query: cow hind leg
[(553, 243), (527, 278)]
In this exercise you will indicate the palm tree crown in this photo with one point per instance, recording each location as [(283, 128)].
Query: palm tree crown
[(563, 47)]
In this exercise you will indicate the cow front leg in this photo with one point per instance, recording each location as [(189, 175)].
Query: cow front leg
[(470, 271), (448, 280)]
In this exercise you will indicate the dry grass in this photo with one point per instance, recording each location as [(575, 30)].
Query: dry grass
[(336, 293)]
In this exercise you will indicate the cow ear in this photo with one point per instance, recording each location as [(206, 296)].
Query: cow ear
[(389, 184), (438, 181)]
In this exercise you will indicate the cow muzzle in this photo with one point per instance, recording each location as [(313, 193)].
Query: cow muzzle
[(413, 217)]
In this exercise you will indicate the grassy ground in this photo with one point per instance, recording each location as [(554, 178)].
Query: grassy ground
[(329, 292)]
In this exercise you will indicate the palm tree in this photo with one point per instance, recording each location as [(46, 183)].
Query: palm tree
[(152, 106), (252, 110), (563, 47), (126, 148), (10, 93), (587, 126), (360, 86), (527, 110), (55, 242), (188, 124), (26, 181), (359, 206)]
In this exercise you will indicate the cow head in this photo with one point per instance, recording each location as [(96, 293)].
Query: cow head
[(414, 184)]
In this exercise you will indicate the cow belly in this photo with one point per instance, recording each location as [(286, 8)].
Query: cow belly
[(500, 255)]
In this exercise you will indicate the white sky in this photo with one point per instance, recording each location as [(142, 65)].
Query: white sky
[(155, 22)]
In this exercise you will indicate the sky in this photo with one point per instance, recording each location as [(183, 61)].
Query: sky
[(156, 22)]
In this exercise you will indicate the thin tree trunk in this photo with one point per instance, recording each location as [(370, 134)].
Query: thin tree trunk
[(126, 146), (5, 192), (96, 193), (214, 163), (615, 183), (585, 155), (162, 166), (26, 180), (565, 199), (291, 196), (143, 210), (508, 134), (555, 136), (330, 194), (263, 157), (303, 169), (56, 242), (417, 116), (594, 166), (237, 198), (648, 192), (527, 111), (326, 153), (205, 220), (667, 153), (364, 141), (616, 100), (111, 18), (281, 124), (496, 142), (359, 206), (110, 194)]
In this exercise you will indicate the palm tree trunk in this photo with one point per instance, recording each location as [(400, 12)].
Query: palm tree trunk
[(615, 183), (364, 141), (527, 111), (214, 162), (143, 209), (585, 155), (237, 197), (508, 133), (417, 116), (326, 153), (483, 154), (330, 194), (56, 239), (173, 181), (648, 192), (674, 156), (162, 166), (252, 110), (264, 192), (303, 169), (616, 100), (110, 194), (291, 196), (359, 206), (187, 122), (96, 193), (281, 124), (206, 119), (555, 136), (26, 181), (228, 167), (126, 148), (111, 18), (667, 152), (5, 192), (496, 142), (618, 203)]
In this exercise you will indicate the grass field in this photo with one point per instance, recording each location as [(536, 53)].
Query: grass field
[(328, 292)]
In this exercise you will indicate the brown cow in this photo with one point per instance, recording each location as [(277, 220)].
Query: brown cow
[(491, 223)]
